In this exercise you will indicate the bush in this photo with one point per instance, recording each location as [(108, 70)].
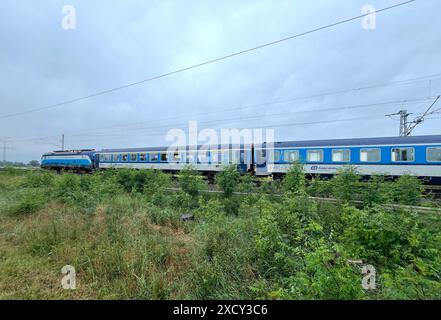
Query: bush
[(246, 184), (28, 201), (227, 180), (345, 183), (190, 181), (408, 190), (39, 179), (377, 191), (294, 180)]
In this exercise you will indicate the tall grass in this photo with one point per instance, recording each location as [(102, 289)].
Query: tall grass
[(123, 233)]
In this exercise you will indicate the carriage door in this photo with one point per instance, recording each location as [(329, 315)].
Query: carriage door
[(261, 163)]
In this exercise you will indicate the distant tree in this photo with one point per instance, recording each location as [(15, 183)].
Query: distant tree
[(34, 163)]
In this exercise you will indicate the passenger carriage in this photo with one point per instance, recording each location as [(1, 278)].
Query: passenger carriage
[(204, 158), (394, 156)]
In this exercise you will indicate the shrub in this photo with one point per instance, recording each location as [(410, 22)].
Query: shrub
[(28, 201), (246, 183), (190, 181), (156, 182), (319, 188), (39, 179), (294, 180), (408, 190), (377, 191), (67, 187), (345, 183), (228, 179)]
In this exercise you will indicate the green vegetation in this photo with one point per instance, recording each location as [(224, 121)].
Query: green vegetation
[(122, 231)]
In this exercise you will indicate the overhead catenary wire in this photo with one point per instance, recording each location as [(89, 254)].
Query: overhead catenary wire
[(236, 119), (228, 56)]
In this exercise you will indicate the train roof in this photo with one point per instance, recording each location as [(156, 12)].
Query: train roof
[(70, 152), (151, 149), (409, 140)]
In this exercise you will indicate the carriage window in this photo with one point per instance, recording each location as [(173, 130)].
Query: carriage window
[(176, 156), (133, 156), (225, 157), (274, 156), (215, 156), (434, 154), (153, 157), (370, 155), (315, 155), (235, 157), (260, 157), (343, 155), (291, 155), (403, 154), (164, 157), (106, 157), (203, 156), (124, 157), (190, 157), (142, 157), (116, 157)]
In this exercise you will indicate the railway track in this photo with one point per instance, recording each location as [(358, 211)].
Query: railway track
[(389, 206)]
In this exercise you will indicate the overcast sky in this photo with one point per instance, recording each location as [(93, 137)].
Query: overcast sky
[(119, 42)]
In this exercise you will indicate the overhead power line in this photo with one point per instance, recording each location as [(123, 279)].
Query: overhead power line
[(93, 132), (420, 119), (282, 101), (99, 93)]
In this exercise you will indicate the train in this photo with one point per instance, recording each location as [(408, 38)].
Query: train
[(392, 156)]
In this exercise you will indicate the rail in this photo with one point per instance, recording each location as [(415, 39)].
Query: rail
[(333, 200)]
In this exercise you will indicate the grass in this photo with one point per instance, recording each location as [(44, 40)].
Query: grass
[(126, 239)]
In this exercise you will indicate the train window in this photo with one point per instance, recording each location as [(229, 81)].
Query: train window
[(370, 155), (106, 157), (434, 154), (260, 157), (274, 156), (133, 156), (235, 157), (314, 155), (291, 155), (341, 155), (142, 156), (203, 156), (215, 156), (153, 157), (403, 154), (225, 157), (115, 157), (176, 156), (190, 157), (164, 156), (124, 157)]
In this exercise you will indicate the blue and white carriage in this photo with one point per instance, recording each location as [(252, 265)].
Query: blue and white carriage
[(202, 158), (394, 156)]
